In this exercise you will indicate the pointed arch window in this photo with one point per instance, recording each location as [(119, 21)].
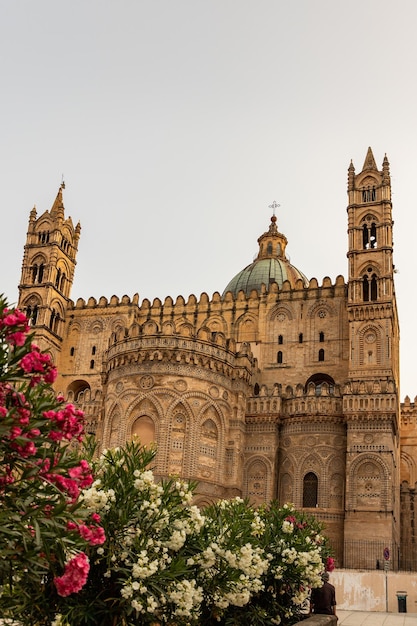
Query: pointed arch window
[(369, 235), (370, 287), (279, 357), (321, 354), (321, 337), (52, 319), (280, 340), (369, 194), (34, 315), (310, 490)]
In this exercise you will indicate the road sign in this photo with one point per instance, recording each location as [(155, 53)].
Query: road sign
[(386, 554)]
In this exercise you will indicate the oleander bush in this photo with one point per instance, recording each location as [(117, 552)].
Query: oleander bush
[(99, 541)]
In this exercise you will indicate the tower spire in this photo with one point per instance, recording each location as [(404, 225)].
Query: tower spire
[(369, 161)]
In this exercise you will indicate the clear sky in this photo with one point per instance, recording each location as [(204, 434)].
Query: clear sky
[(176, 123)]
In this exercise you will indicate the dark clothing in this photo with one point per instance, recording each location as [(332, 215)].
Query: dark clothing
[(323, 599)]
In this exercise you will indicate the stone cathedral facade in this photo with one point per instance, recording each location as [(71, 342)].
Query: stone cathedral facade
[(277, 387)]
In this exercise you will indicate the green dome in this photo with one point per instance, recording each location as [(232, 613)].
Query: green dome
[(270, 266), (264, 272)]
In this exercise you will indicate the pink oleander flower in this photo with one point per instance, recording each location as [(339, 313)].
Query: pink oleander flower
[(74, 577), (25, 450), (15, 325), (330, 564), (82, 473), (95, 535), (39, 366), (67, 422)]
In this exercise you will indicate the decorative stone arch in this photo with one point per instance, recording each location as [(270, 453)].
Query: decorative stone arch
[(286, 489), (317, 381), (168, 328), (321, 309), (408, 471), (370, 344), (178, 428), (37, 268), (208, 442), (150, 328), (184, 328), (134, 331), (31, 307), (56, 316), (258, 480), (217, 324), (75, 388), (280, 314), (61, 276), (334, 483), (203, 502), (135, 424), (113, 434), (117, 324), (312, 463), (371, 267), (143, 429), (369, 484), (96, 326), (204, 333), (247, 328)]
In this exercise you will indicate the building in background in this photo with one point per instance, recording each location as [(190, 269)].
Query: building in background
[(279, 387)]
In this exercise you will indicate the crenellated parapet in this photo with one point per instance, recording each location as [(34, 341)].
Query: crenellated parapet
[(138, 346), (316, 402), (409, 413), (371, 400), (103, 302)]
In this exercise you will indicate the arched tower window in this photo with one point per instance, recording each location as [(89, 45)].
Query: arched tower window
[(256, 390), (300, 338), (321, 354), (279, 357), (370, 286), (369, 234), (374, 288), (52, 319), (34, 316), (269, 248), (56, 324), (321, 337), (58, 277), (72, 351), (280, 339), (40, 272), (310, 490), (368, 194)]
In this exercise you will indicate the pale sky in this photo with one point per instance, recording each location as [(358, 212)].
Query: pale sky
[(176, 123)]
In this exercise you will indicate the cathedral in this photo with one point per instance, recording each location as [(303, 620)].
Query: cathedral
[(277, 387)]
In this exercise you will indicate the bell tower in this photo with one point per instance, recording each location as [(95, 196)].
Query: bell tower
[(48, 272), (371, 394)]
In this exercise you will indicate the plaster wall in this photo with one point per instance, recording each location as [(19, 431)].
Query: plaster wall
[(374, 590)]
